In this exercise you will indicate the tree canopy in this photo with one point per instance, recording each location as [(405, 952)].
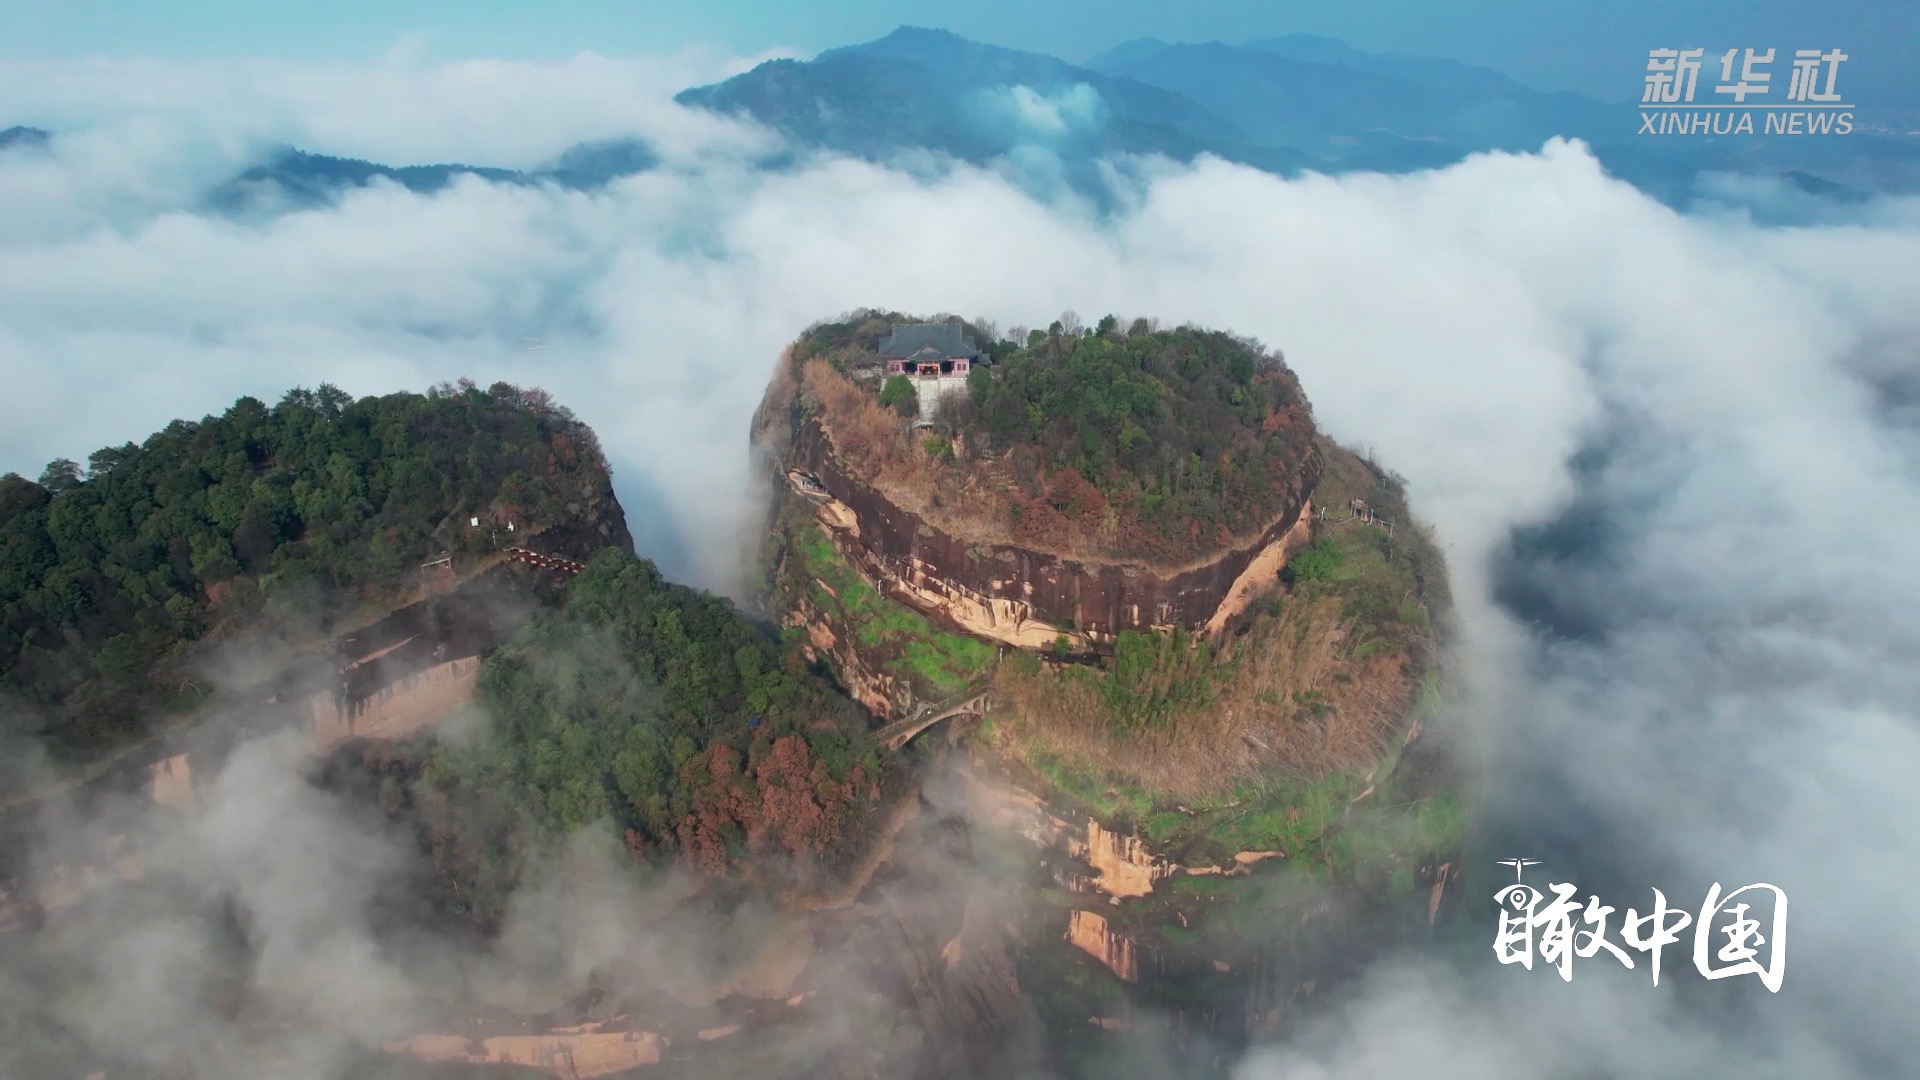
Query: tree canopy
[(107, 574), (1184, 433), (1128, 444), (661, 709)]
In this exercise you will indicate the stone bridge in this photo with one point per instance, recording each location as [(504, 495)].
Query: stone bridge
[(896, 735)]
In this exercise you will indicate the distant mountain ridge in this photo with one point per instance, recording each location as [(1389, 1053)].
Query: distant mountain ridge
[(291, 178), (18, 136), (932, 89), (312, 179), (970, 62), (1431, 70), (296, 177), (1329, 99), (1286, 105)]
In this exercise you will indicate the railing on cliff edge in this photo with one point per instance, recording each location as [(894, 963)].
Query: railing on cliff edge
[(544, 562)]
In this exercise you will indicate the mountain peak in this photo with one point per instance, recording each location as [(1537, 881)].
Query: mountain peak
[(1131, 51), (907, 32), (943, 49), (23, 136), (1316, 41)]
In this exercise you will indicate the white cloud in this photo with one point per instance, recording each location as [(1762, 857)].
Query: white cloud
[(399, 110), (1045, 115)]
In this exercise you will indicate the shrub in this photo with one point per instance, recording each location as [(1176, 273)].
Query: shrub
[(1319, 561), (899, 395)]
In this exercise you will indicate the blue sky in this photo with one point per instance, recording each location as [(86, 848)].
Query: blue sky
[(1597, 48)]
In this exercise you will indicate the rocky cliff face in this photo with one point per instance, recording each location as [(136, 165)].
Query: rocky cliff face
[(883, 694), (392, 679), (1023, 597), (592, 519), (575, 1054), (1090, 934), (396, 679)]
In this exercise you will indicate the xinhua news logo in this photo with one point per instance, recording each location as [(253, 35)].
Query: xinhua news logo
[(1743, 99)]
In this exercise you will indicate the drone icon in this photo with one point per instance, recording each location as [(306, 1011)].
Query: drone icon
[(1519, 865)]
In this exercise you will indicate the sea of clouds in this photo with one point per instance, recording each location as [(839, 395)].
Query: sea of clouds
[(1674, 457)]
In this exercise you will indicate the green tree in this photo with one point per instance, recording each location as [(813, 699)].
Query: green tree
[(107, 576), (1187, 435), (60, 475), (1318, 561), (330, 401), (662, 710), (898, 394), (102, 461)]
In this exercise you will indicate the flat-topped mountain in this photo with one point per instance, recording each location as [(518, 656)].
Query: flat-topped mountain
[(1167, 630), (958, 509), (1075, 485)]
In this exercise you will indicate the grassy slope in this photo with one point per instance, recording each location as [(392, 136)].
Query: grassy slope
[(1338, 807), (936, 662)]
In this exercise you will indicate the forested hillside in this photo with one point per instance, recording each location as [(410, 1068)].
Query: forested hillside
[(1175, 438), (305, 509), (661, 709)]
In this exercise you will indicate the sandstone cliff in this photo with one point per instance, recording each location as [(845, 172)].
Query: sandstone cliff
[(1028, 598), (991, 517)]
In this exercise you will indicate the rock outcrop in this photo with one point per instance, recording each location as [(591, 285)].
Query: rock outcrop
[(172, 784), (1124, 865), (393, 679), (411, 704), (1024, 597), (570, 1054), (1089, 932), (882, 694)]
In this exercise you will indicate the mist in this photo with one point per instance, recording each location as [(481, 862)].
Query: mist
[(1674, 460)]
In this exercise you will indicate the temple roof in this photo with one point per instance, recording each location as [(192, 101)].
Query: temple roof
[(909, 339)]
